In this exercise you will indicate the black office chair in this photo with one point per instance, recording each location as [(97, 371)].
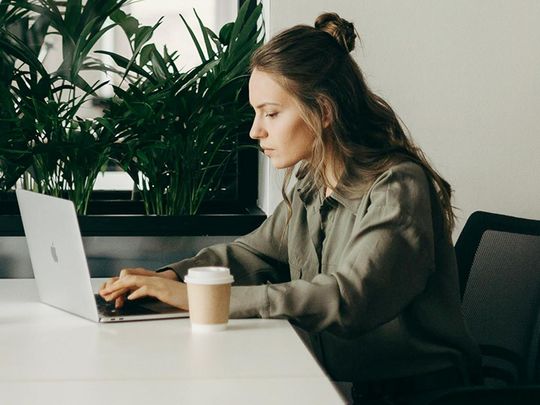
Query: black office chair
[(499, 266)]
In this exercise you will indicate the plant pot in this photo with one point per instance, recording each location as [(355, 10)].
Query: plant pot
[(110, 215)]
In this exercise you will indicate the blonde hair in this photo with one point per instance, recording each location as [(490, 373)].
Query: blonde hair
[(364, 137)]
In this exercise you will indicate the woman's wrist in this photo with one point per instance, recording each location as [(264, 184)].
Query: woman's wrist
[(168, 273)]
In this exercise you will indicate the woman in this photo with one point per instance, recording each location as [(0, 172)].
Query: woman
[(359, 253)]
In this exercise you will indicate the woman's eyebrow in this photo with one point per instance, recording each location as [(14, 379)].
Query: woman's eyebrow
[(267, 103)]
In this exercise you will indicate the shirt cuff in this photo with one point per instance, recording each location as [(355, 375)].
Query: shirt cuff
[(181, 268), (249, 302), (169, 268)]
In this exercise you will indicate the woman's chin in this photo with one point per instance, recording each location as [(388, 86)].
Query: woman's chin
[(280, 165)]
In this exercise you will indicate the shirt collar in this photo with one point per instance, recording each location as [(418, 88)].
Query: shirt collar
[(305, 193), (352, 204), (308, 196)]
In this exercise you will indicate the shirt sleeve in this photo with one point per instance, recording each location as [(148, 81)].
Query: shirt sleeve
[(259, 257), (386, 264)]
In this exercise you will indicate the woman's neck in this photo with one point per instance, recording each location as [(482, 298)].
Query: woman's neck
[(333, 172)]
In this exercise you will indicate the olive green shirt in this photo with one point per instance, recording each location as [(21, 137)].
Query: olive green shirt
[(373, 279)]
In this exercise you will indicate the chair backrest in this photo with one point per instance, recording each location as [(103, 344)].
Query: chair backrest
[(499, 264)]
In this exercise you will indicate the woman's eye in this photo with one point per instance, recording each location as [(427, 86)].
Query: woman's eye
[(270, 115)]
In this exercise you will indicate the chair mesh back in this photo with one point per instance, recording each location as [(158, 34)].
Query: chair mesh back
[(502, 296)]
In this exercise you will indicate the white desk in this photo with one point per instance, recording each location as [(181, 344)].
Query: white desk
[(48, 356)]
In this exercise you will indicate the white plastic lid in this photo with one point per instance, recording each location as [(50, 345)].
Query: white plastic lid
[(209, 275)]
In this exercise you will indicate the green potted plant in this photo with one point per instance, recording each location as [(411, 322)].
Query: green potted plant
[(181, 130), (44, 137), (19, 44), (61, 153)]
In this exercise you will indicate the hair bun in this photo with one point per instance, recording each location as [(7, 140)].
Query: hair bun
[(342, 30)]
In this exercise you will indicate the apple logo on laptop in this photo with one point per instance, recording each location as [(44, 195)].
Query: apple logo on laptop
[(53, 253)]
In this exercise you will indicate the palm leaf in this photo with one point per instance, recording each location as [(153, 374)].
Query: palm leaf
[(249, 31), (204, 31), (73, 16), (15, 47), (37, 33), (195, 40), (84, 45), (194, 75), (238, 24), (159, 66), (125, 63), (128, 23), (140, 40)]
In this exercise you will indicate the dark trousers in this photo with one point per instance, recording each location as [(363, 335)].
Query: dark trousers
[(406, 390)]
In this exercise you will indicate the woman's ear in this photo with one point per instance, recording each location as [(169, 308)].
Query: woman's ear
[(327, 112)]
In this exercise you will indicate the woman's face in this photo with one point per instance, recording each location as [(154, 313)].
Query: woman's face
[(284, 137)]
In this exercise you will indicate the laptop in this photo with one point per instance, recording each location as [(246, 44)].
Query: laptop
[(61, 269)]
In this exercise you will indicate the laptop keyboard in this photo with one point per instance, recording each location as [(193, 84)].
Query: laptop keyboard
[(107, 309)]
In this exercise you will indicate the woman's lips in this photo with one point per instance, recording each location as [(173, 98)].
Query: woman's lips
[(265, 149)]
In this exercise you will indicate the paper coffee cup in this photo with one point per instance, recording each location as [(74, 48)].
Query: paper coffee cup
[(209, 296)]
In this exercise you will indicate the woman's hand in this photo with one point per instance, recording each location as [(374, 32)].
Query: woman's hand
[(138, 283)]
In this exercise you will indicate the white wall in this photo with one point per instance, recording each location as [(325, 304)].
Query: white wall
[(464, 76)]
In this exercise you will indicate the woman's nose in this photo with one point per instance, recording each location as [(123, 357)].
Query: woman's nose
[(256, 131)]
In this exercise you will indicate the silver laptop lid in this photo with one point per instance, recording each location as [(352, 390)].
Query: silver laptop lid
[(57, 253)]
